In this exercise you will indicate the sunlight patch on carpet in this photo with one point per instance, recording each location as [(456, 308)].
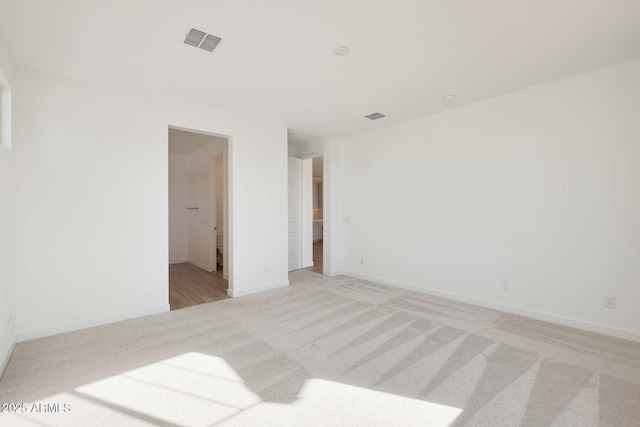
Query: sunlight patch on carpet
[(196, 389)]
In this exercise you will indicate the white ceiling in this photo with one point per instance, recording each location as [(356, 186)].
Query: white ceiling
[(300, 137), (183, 142), (278, 56)]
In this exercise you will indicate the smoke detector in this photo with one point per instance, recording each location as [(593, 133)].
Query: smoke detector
[(197, 38), (375, 116), (341, 51)]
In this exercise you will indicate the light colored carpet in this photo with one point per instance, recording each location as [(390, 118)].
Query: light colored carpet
[(326, 351)]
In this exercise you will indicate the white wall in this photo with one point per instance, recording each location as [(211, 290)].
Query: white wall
[(5, 113), (92, 201), (7, 222), (7, 254), (334, 222), (539, 188), (178, 215)]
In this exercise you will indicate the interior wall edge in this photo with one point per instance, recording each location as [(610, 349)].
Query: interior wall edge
[(248, 291), (7, 356)]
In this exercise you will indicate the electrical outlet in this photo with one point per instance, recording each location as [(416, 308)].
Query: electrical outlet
[(266, 268), (609, 301), (506, 286), (361, 260), (345, 220)]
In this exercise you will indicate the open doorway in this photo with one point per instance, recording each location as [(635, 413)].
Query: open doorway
[(198, 208), (317, 204), (308, 202)]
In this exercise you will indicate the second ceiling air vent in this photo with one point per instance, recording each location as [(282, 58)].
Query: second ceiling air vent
[(210, 42), (202, 40), (375, 116)]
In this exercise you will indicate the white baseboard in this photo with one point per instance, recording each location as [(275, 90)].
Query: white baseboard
[(5, 360), (179, 261), (338, 273), (520, 311), (199, 264), (88, 323), (234, 293)]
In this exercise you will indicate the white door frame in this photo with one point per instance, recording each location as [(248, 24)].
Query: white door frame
[(294, 164)]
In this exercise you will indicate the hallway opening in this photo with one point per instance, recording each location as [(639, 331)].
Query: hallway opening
[(308, 203), (197, 218)]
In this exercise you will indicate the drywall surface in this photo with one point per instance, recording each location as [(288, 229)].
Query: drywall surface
[(7, 220), (335, 223), (178, 215), (92, 201), (538, 188), (7, 254)]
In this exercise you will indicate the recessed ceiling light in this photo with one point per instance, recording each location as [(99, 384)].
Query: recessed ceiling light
[(341, 51), (449, 96)]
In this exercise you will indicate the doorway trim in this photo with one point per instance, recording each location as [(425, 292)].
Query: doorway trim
[(225, 228)]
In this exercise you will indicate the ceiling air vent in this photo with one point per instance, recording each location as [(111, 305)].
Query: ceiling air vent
[(202, 40), (195, 37), (375, 116), (210, 42)]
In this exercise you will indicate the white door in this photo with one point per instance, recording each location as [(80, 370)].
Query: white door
[(307, 213), (295, 213), (213, 216), (202, 213)]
